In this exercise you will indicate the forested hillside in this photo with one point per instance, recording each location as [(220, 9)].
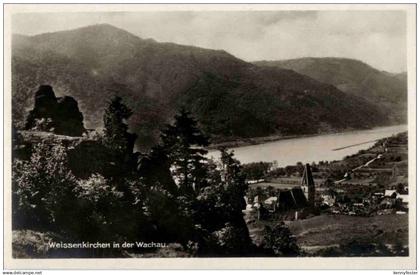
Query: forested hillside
[(230, 98), (387, 90)]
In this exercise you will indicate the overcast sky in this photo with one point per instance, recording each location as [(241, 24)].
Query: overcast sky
[(375, 37)]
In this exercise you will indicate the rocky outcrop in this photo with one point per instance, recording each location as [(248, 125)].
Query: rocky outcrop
[(60, 115)]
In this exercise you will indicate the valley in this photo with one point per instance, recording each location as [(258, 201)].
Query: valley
[(232, 100)]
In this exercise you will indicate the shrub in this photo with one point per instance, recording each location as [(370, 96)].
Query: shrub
[(43, 187), (281, 241), (230, 239), (256, 170)]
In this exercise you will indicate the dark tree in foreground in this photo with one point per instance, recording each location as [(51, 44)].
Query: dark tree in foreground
[(119, 144), (116, 135), (183, 142), (154, 169), (281, 241), (234, 182), (218, 208)]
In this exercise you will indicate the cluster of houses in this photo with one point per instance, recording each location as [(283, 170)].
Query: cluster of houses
[(388, 201), (344, 197), (379, 203), (298, 200), (293, 200)]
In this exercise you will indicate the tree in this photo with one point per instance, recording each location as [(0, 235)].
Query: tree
[(257, 170), (281, 241), (154, 169), (218, 208), (183, 143), (120, 144), (234, 182), (116, 136)]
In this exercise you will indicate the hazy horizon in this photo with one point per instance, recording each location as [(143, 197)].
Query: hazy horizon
[(368, 36)]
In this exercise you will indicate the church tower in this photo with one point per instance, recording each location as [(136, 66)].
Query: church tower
[(308, 185)]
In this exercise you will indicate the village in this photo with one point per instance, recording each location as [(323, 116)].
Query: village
[(369, 186)]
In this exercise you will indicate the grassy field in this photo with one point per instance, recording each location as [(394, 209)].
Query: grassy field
[(333, 231), (328, 230)]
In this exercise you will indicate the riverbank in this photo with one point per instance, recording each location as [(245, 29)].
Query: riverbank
[(312, 148), (257, 140), (362, 214), (240, 142)]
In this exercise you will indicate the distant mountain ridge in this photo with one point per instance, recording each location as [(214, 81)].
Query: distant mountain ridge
[(355, 77), (231, 98)]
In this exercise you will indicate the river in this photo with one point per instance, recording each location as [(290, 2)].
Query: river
[(309, 149)]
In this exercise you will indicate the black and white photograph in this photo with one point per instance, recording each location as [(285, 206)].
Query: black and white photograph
[(211, 132)]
